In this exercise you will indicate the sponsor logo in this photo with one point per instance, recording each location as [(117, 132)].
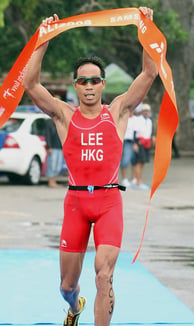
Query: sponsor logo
[(127, 18), (104, 116), (50, 28), (159, 48), (142, 26), (7, 94), (124, 18), (64, 243)]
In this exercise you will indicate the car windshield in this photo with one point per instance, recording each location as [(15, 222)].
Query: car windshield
[(12, 124)]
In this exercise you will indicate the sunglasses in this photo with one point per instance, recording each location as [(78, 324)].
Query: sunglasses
[(84, 80)]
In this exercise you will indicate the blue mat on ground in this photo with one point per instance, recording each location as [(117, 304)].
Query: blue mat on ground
[(29, 290)]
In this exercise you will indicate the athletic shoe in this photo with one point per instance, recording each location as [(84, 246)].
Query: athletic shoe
[(125, 182), (72, 319), (141, 187), (133, 182), (144, 187)]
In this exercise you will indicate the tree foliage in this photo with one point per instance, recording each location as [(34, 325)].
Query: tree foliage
[(119, 45), (3, 5), (22, 17)]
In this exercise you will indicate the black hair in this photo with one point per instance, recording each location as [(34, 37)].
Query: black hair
[(94, 60)]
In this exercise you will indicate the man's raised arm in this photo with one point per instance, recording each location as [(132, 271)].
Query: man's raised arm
[(31, 82), (141, 85)]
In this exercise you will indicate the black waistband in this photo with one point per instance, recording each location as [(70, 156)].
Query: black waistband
[(91, 188), (128, 140)]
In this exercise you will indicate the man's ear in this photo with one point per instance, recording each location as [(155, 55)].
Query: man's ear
[(104, 83)]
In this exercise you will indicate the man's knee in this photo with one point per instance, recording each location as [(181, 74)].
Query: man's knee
[(104, 280), (67, 291), (67, 295)]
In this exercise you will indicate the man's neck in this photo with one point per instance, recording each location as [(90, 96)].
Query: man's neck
[(90, 112)]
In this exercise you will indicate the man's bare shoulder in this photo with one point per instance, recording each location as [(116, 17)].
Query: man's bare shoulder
[(115, 106), (63, 111), (65, 106)]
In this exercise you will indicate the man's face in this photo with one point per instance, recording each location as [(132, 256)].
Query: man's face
[(146, 113), (89, 94)]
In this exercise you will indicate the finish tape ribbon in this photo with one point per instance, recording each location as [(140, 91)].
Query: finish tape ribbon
[(151, 39)]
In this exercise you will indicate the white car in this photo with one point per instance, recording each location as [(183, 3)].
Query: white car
[(23, 147)]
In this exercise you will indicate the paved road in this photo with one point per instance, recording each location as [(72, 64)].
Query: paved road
[(31, 217)]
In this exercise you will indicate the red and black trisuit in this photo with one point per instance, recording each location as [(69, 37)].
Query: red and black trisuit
[(92, 152)]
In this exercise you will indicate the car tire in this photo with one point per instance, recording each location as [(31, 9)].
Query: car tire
[(15, 179), (32, 177)]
